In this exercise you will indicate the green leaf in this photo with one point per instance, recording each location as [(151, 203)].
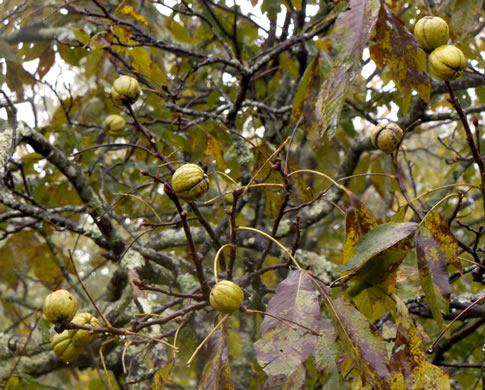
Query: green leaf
[(376, 241), (352, 31), (397, 48), (325, 356), (162, 376), (465, 18)]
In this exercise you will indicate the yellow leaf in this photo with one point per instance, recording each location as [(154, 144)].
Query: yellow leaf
[(129, 10)]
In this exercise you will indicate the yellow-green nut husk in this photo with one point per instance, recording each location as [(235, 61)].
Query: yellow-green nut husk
[(61, 305), (447, 63), (386, 137), (65, 348), (114, 125), (431, 32), (226, 297), (190, 182), (82, 337), (125, 89)]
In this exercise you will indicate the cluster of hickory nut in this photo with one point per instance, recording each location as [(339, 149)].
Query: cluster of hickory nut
[(125, 89), (446, 62), (61, 306)]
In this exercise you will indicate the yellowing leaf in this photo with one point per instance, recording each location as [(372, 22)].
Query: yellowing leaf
[(433, 273), (304, 88), (129, 10), (444, 238), (161, 377)]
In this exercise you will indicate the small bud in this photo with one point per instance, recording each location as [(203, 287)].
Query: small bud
[(447, 63)]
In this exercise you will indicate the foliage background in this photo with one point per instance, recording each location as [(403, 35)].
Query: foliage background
[(258, 98)]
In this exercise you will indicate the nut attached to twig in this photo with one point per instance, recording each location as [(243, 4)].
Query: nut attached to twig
[(387, 137), (447, 62), (226, 297), (125, 89), (190, 182)]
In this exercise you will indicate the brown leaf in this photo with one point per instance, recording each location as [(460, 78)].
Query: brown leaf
[(46, 60), (397, 48), (284, 346), (217, 372), (17, 76), (363, 344)]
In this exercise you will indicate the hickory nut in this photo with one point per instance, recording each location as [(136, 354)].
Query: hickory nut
[(190, 182), (125, 89), (226, 297), (61, 305), (82, 337), (431, 32), (447, 62), (65, 348), (114, 125), (387, 137)]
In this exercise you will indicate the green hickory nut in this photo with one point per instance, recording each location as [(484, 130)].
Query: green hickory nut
[(447, 63), (114, 125), (59, 306), (82, 337), (226, 297), (65, 348), (125, 89), (431, 32), (190, 182), (386, 137)]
